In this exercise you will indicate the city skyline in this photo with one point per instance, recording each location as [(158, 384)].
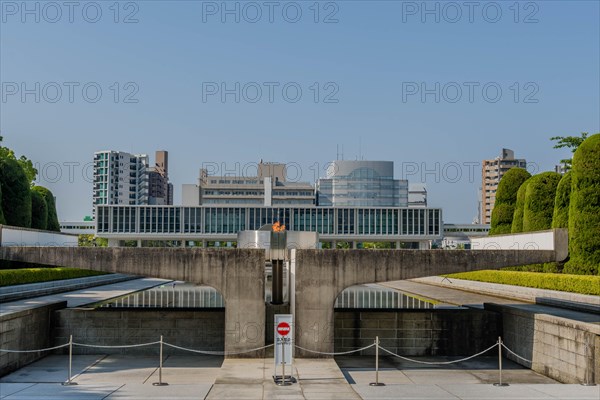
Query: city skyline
[(380, 78)]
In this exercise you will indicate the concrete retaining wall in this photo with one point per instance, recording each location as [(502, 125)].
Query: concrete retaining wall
[(17, 236), (563, 349), (451, 332), (25, 330), (195, 329)]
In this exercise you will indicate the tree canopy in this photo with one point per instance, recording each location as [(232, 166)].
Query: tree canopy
[(560, 217), (16, 193), (39, 211), (23, 161), (53, 224), (539, 201), (506, 198), (584, 209), (570, 142)]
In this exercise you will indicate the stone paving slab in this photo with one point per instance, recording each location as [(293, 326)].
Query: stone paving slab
[(50, 369), (10, 388), (54, 391), (147, 391)]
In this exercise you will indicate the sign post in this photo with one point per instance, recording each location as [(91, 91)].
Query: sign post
[(284, 340)]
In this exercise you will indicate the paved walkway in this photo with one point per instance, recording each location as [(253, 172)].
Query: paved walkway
[(82, 297), (204, 377)]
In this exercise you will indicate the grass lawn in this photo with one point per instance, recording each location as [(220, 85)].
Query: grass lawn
[(583, 284), (33, 275)]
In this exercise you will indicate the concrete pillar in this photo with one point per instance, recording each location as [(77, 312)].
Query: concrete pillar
[(424, 245), (113, 242), (139, 243)]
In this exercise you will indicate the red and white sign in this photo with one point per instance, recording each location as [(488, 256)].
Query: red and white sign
[(284, 338), (283, 328)]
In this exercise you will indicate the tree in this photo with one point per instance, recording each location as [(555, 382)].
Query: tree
[(39, 211), (584, 209), (2, 220), (539, 201), (53, 224), (23, 161), (517, 222), (506, 197), (16, 194), (570, 142), (560, 217)]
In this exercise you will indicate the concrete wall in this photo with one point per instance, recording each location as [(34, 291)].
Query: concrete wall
[(554, 239), (563, 349), (320, 276), (16, 236), (443, 332), (200, 330), (25, 330), (237, 273)]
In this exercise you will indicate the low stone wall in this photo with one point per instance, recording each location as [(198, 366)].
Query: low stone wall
[(25, 330), (439, 332), (195, 329), (563, 349)]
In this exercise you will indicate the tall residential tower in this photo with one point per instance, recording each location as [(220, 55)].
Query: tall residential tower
[(491, 173)]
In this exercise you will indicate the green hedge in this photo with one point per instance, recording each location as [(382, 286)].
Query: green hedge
[(506, 198), (33, 275), (583, 284), (502, 216), (517, 222), (584, 209), (2, 220), (560, 216), (39, 211), (53, 224), (539, 201), (16, 194)]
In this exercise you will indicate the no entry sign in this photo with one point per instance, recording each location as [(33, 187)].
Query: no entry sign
[(283, 328), (284, 338)]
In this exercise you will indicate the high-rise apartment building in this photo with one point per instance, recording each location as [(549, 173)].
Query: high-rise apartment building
[(120, 178), (491, 173), (161, 191), (362, 184)]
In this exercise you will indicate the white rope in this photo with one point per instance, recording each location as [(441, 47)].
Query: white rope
[(441, 362), (34, 351), (216, 353), (515, 354), (335, 354), (115, 347)]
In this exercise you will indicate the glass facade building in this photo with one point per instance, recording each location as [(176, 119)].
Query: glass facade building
[(362, 184), (224, 222)]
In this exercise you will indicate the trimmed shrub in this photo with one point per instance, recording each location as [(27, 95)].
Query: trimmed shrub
[(16, 194), (39, 211), (517, 222), (560, 217), (52, 224), (2, 220), (539, 201), (584, 209), (31, 275), (506, 197), (563, 282), (502, 215)]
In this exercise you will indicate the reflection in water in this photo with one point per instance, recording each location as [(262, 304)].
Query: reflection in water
[(375, 296)]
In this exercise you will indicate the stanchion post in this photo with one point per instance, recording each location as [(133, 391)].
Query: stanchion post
[(160, 382), (69, 382), (500, 383), (376, 383)]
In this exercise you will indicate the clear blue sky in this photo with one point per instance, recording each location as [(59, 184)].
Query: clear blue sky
[(374, 56)]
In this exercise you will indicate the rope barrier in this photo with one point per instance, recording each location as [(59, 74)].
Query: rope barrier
[(335, 354), (441, 362), (515, 354), (34, 351), (217, 353), (115, 347)]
